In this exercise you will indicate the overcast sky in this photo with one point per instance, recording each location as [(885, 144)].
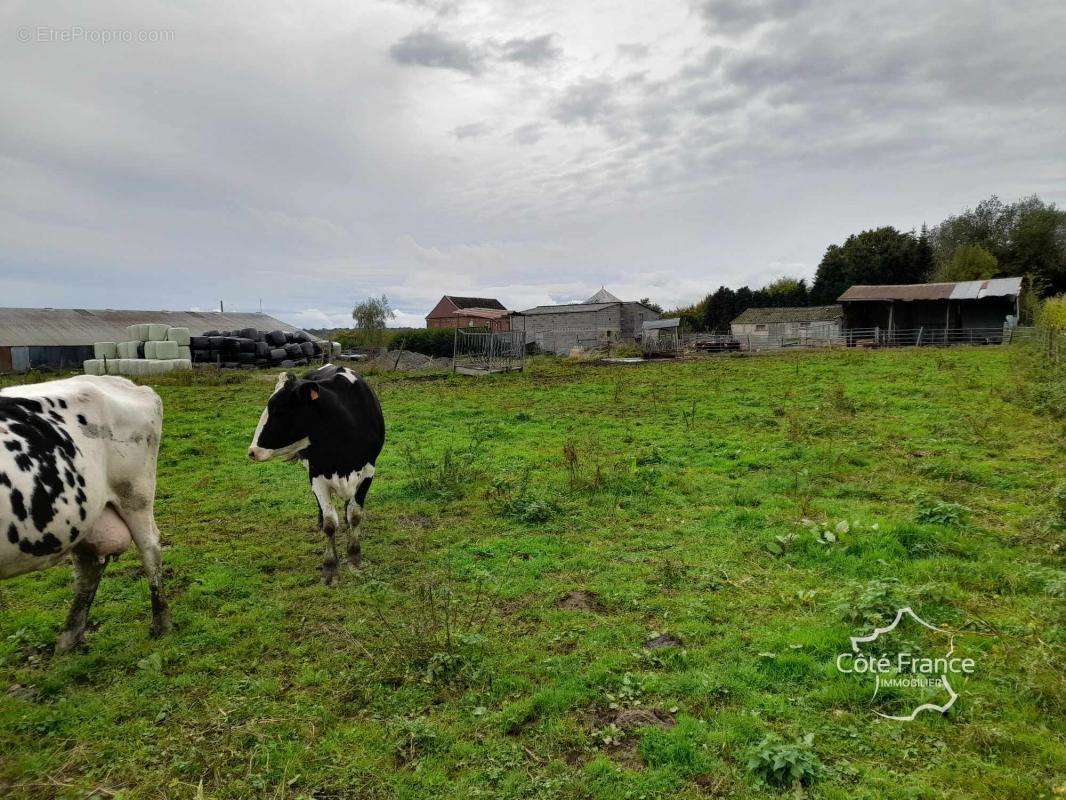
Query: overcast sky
[(309, 154)]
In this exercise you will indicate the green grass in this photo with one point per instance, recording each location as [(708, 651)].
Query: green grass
[(525, 536)]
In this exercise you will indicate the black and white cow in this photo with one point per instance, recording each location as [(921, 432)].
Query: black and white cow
[(331, 421), (77, 476)]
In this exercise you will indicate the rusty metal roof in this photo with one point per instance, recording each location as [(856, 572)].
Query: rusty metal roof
[(46, 327), (961, 290)]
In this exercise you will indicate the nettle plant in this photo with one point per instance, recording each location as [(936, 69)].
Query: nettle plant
[(931, 511), (785, 764)]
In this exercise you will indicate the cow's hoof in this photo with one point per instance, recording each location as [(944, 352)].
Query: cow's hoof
[(329, 577), (68, 640), (355, 559)]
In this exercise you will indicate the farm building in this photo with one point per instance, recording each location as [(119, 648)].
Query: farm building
[(601, 320), (62, 338), (815, 322), (469, 312), (935, 307)]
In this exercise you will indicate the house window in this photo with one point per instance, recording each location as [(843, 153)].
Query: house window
[(760, 328)]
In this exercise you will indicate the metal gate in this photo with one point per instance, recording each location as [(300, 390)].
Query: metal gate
[(483, 352)]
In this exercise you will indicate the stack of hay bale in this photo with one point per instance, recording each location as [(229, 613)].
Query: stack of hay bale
[(151, 349), (249, 348)]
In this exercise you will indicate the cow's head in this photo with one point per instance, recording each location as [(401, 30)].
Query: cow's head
[(284, 426)]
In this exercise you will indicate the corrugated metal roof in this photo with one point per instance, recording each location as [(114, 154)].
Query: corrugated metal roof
[(994, 287), (796, 314), (43, 327), (962, 290), (569, 308)]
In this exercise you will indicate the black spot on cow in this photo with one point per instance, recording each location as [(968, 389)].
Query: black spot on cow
[(56, 417), (69, 477), (82, 420), (12, 534), (24, 462), (62, 403), (81, 480), (47, 444), (4, 480), (18, 506), (15, 446), (74, 533), (45, 547)]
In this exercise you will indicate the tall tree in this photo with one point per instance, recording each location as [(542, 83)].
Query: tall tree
[(969, 262), (879, 256), (1027, 237), (371, 317)]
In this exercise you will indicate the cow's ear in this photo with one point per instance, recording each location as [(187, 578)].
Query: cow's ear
[(309, 391)]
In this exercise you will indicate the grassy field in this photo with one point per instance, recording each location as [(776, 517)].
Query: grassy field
[(578, 582)]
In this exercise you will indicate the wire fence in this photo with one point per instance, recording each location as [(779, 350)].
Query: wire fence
[(851, 337), (482, 352)]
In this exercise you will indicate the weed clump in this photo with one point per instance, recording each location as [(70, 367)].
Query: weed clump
[(785, 764), (931, 511)]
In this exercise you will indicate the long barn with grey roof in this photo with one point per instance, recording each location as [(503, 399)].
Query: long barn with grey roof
[(62, 338)]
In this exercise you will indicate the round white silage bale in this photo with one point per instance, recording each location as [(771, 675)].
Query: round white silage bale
[(105, 350), (94, 366), (157, 332), (133, 332), (184, 351), (179, 335), (150, 349), (182, 364)]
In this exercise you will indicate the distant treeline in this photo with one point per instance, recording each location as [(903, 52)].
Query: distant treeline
[(993, 240)]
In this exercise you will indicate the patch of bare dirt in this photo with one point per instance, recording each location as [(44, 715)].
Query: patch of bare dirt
[(630, 719), (579, 600), (615, 732), (662, 640)]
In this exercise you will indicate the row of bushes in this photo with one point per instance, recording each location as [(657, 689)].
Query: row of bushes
[(434, 342)]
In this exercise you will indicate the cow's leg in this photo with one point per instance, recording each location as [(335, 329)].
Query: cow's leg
[(328, 522), (354, 513), (145, 533), (88, 569)]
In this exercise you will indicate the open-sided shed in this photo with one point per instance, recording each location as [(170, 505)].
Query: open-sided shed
[(964, 305)]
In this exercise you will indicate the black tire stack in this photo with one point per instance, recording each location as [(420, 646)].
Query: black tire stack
[(249, 348)]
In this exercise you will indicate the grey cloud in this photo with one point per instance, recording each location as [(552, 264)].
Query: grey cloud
[(588, 101), (530, 133), (736, 16), (634, 50), (531, 52), (429, 48), (473, 130)]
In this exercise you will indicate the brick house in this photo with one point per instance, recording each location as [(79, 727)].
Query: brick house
[(469, 312)]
